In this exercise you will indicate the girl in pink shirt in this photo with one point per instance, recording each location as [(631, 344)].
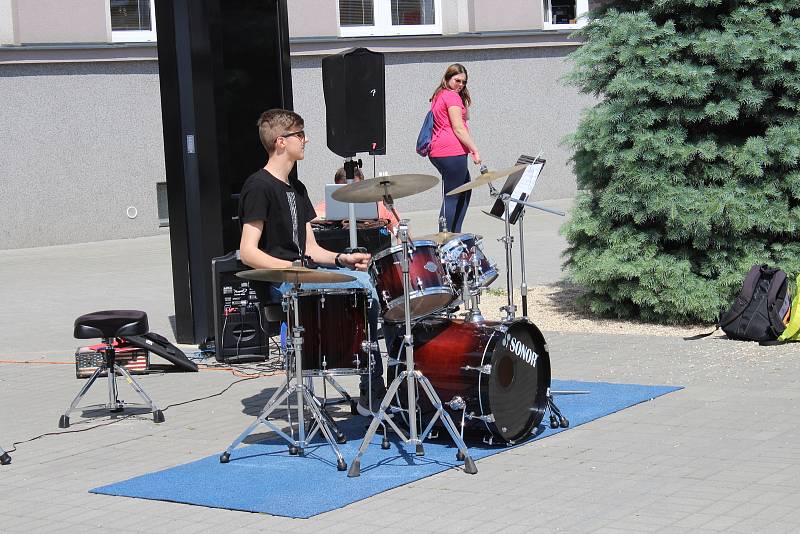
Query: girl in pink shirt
[(451, 142)]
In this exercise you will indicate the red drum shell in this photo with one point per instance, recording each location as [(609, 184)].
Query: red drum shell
[(430, 289), (515, 390), (335, 326)]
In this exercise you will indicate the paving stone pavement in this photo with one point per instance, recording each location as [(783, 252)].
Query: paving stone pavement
[(720, 455)]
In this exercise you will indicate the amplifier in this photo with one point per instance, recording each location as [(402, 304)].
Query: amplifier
[(241, 330), (134, 359), (372, 235)]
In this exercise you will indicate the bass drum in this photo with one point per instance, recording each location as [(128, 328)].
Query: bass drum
[(500, 370)]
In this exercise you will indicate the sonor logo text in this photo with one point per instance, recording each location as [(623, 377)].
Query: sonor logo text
[(525, 353)]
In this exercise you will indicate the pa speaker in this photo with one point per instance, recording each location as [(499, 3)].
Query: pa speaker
[(355, 102)]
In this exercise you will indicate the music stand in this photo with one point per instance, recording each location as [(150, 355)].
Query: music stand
[(519, 186)]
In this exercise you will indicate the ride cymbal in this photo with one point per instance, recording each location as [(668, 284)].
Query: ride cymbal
[(294, 275), (375, 189), (485, 178)]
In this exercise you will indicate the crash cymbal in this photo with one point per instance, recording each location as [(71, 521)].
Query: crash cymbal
[(485, 178), (396, 186), (440, 238), (294, 275)]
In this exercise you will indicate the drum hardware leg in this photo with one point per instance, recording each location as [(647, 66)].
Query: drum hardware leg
[(301, 386), (458, 403), (557, 419), (385, 441), (469, 463), (326, 426), (412, 377)]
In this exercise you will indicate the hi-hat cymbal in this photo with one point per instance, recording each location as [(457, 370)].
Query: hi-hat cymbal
[(440, 238), (294, 275), (485, 178), (374, 189)]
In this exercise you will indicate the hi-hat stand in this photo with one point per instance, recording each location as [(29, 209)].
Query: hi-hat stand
[(412, 378), (305, 400)]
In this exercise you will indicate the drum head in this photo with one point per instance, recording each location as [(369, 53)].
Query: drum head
[(519, 380)]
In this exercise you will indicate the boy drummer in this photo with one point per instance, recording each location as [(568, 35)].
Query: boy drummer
[(275, 212)]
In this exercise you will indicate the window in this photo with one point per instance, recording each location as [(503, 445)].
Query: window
[(132, 21), (565, 14), (389, 17), (162, 204)]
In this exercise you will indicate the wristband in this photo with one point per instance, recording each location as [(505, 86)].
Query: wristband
[(337, 262)]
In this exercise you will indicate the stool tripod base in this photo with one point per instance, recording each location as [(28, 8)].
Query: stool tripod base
[(114, 405)]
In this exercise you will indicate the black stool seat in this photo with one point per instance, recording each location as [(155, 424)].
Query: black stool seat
[(111, 323)]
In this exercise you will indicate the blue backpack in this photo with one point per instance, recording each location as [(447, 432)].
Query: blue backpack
[(425, 135)]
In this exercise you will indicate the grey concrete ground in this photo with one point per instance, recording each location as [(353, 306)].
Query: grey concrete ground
[(720, 455)]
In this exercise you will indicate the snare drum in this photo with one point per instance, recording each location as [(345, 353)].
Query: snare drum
[(335, 326), (461, 251), (499, 372), (430, 289)]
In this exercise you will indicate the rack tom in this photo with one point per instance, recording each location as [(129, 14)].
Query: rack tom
[(460, 253), (430, 290)]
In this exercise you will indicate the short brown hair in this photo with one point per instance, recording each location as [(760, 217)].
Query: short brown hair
[(274, 123), (341, 176)]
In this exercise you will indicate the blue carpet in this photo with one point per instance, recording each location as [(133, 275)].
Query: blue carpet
[(264, 478)]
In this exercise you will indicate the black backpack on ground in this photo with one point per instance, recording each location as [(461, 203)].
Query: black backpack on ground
[(761, 309)]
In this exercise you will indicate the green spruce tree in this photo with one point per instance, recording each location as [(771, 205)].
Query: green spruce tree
[(689, 165)]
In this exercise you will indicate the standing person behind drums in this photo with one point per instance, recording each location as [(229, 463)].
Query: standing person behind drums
[(275, 213), (341, 178), (451, 142)]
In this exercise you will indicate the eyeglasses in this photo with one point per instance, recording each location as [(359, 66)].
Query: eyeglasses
[(300, 134), (462, 82)]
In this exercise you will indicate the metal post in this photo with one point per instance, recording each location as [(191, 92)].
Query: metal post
[(508, 240), (523, 288)]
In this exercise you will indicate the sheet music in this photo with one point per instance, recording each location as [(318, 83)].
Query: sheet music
[(525, 184)]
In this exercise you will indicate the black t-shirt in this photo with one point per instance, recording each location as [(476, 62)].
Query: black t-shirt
[(285, 210)]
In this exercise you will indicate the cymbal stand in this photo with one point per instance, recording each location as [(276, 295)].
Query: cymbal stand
[(508, 242), (523, 287), (412, 377), (305, 400), (350, 166)]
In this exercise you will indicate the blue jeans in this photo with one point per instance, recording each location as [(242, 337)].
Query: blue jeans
[(454, 173)]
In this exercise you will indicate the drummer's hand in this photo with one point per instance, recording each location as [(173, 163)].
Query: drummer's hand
[(476, 158), (356, 260)]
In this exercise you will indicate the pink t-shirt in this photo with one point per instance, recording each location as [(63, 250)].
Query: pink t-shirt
[(444, 142)]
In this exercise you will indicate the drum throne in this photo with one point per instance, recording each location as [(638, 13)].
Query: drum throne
[(109, 325)]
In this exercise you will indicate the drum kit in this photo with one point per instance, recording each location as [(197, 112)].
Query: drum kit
[(494, 375)]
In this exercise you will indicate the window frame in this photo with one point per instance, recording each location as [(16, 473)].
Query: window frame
[(383, 27), (581, 10), (135, 36)]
